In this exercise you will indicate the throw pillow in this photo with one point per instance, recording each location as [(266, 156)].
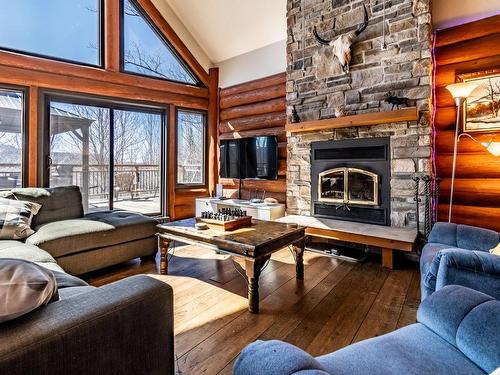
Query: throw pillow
[(15, 218), (496, 250), (24, 286)]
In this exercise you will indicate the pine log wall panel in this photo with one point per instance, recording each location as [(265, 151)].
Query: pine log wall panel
[(250, 109), (467, 48)]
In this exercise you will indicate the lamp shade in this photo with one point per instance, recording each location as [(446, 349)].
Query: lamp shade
[(492, 147), (461, 90)]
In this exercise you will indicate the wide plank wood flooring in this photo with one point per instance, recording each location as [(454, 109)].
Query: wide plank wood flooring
[(336, 304)]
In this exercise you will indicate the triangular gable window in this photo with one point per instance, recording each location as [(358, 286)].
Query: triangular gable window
[(146, 52)]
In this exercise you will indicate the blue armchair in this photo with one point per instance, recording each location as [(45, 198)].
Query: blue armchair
[(459, 254), (457, 333)]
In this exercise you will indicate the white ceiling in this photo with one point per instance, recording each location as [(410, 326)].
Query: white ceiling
[(449, 13), (228, 28)]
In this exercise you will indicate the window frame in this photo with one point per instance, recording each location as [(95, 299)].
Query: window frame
[(112, 104), (204, 183), (101, 39), (158, 33), (24, 129)]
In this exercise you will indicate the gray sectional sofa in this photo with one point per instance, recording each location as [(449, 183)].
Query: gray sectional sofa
[(81, 243), (121, 328)]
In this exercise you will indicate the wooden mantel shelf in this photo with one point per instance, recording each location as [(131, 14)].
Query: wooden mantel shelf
[(365, 119)]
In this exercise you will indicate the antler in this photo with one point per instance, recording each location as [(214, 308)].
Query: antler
[(365, 22), (320, 39)]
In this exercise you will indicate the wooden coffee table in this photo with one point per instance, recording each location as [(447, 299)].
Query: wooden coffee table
[(255, 244)]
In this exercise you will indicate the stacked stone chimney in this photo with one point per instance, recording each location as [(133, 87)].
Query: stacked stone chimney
[(317, 86)]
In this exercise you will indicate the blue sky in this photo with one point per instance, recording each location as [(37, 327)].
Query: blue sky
[(68, 29), (61, 28)]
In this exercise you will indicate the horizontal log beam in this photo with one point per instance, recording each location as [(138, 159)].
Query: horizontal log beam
[(485, 217), (445, 141), (275, 105), (447, 74), (278, 132), (185, 211), (482, 165), (54, 81), (445, 118), (468, 31), (36, 64), (276, 79), (254, 96), (273, 119), (282, 151), (471, 191), (365, 119), (468, 50)]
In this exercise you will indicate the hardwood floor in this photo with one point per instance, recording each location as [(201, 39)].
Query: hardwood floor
[(336, 304)]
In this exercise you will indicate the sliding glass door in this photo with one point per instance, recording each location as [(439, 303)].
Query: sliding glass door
[(114, 154), (137, 158)]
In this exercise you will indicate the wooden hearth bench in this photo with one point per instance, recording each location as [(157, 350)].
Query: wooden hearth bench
[(387, 238)]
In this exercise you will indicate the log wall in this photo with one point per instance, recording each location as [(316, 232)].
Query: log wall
[(256, 108), (467, 48)]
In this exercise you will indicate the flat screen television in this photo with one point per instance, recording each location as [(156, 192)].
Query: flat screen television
[(255, 158)]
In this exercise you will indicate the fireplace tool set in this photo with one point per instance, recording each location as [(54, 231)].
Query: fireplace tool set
[(429, 196)]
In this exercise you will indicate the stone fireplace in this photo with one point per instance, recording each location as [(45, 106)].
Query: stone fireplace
[(317, 87)]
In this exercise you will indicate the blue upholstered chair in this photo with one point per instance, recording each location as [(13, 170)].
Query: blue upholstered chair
[(459, 254), (457, 333)]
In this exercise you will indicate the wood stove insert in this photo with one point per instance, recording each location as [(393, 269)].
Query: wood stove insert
[(351, 180)]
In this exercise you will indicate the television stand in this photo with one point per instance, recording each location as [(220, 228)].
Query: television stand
[(260, 211)]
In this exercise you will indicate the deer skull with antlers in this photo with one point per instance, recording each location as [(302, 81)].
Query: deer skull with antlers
[(342, 44)]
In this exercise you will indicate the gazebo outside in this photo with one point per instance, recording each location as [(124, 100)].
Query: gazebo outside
[(136, 186)]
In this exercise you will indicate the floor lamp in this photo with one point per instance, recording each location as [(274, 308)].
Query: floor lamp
[(460, 92)]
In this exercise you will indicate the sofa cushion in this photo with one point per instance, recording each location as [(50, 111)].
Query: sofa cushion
[(93, 231), (15, 218), (478, 337), (444, 233), (275, 357), (20, 250), (475, 238), (65, 280), (428, 253), (412, 350), (58, 203), (24, 286), (74, 291)]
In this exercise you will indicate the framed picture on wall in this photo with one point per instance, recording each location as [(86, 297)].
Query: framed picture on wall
[(482, 108)]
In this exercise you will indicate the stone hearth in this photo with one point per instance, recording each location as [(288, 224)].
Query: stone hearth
[(403, 69)]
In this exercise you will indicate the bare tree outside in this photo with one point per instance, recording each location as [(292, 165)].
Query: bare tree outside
[(11, 137), (145, 52), (190, 147), (80, 152)]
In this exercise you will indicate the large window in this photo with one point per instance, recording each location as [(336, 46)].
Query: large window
[(146, 52), (113, 154), (60, 29), (11, 138), (191, 138)]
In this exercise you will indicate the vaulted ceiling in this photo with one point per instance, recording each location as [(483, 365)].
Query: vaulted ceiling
[(229, 28)]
